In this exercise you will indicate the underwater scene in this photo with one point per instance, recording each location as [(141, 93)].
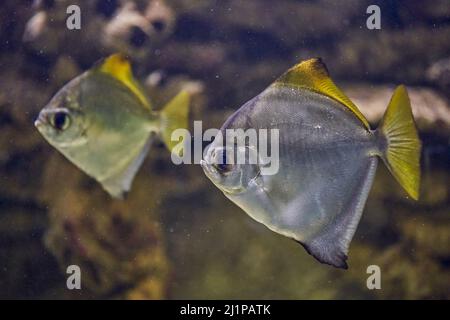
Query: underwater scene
[(225, 149)]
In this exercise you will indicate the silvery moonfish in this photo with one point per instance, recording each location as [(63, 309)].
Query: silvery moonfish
[(104, 123), (328, 156)]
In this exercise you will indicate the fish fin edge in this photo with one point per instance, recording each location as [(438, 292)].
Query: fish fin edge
[(118, 66), (174, 115), (401, 146), (335, 258), (313, 75), (331, 245), (120, 183)]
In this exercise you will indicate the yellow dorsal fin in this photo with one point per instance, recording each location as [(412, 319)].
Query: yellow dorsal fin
[(313, 75), (118, 66), (402, 155)]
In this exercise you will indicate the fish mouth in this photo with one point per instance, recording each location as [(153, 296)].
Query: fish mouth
[(210, 172), (41, 120), (38, 123), (208, 168), (205, 165)]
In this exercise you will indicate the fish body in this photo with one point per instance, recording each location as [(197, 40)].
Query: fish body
[(328, 156), (103, 123)]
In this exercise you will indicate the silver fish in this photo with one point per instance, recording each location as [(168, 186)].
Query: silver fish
[(103, 123), (328, 156)]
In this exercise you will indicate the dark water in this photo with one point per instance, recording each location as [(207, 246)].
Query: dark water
[(176, 235)]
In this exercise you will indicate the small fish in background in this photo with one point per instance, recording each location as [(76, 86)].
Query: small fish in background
[(103, 122), (328, 156)]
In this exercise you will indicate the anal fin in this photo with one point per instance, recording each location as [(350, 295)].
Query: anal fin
[(120, 183), (327, 251), (330, 245)]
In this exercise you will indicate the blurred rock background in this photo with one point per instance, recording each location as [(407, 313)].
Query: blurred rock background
[(176, 235)]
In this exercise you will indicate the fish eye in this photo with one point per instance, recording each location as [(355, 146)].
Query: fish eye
[(223, 167), (60, 120)]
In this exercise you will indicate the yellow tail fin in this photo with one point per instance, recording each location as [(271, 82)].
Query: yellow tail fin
[(174, 115), (402, 145)]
